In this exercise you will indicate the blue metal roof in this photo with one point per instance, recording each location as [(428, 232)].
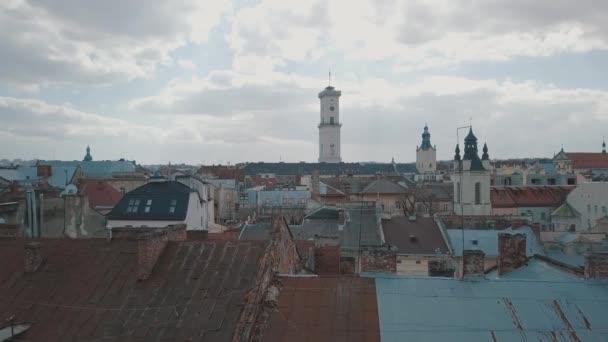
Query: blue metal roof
[(487, 240), (102, 168), (445, 309)]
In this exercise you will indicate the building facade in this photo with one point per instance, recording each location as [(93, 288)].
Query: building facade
[(329, 127)]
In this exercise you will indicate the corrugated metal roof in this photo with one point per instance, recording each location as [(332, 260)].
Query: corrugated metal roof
[(101, 168), (487, 240), (442, 309)]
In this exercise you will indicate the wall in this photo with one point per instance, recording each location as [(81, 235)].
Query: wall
[(412, 265), (426, 160), (80, 220), (128, 184), (468, 180), (585, 199)]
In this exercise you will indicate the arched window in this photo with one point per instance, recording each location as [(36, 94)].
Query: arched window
[(458, 192), (477, 193)]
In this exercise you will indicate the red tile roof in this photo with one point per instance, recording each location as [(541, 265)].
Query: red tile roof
[(99, 192), (586, 160), (529, 196), (87, 290), (325, 309), (414, 237)]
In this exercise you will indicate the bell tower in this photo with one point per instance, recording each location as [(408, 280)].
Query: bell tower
[(329, 127)]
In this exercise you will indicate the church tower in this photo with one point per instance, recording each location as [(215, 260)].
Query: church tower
[(329, 128), (472, 179), (426, 154), (88, 157)]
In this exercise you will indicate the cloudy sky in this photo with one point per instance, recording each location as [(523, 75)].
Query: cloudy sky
[(218, 81)]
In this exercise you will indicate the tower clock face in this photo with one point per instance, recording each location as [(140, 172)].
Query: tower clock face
[(331, 108)]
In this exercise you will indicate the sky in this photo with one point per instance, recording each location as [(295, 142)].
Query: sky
[(225, 82)]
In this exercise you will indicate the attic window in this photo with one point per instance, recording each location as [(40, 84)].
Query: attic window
[(173, 205), (133, 205), (148, 205), (475, 242)]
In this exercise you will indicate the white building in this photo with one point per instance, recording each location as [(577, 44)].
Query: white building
[(584, 207), (329, 128), (472, 179), (160, 203)]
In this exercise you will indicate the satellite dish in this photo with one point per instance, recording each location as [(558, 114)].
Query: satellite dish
[(70, 189)]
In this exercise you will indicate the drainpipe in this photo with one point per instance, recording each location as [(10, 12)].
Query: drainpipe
[(35, 214), (28, 201), (41, 216)]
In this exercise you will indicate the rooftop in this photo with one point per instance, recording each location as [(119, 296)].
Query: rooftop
[(487, 240), (422, 236), (442, 309), (87, 290), (325, 309), (528, 196), (167, 201)]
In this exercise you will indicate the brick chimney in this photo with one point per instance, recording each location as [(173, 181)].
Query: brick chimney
[(379, 259), (596, 266), (511, 252), (150, 244), (33, 256), (327, 255), (44, 171), (473, 262)]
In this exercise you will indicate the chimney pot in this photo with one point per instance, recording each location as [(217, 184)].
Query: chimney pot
[(511, 252), (473, 262)]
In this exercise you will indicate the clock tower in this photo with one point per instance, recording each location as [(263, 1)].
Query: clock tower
[(329, 128)]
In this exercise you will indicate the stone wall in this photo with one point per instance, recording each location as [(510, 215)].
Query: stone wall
[(473, 262), (511, 252), (379, 259)]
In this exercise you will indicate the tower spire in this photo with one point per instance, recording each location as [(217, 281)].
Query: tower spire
[(604, 146), (329, 78)]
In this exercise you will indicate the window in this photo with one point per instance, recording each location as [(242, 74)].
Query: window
[(398, 205), (604, 209), (418, 262), (589, 208), (543, 216), (477, 193), (148, 205), (331, 120), (172, 207), (133, 205), (302, 200), (458, 192)]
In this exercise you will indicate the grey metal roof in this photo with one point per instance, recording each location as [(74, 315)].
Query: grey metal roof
[(256, 231), (384, 186), (162, 196), (445, 309), (361, 228)]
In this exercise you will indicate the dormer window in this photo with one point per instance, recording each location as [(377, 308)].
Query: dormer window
[(172, 207), (148, 205), (133, 206)]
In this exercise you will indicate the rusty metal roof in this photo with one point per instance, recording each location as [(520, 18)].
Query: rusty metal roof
[(325, 309), (87, 290)]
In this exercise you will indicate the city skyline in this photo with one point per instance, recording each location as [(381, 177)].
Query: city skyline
[(238, 81)]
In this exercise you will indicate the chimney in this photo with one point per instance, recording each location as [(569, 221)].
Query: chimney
[(327, 255), (33, 256), (44, 171), (150, 244), (473, 262), (596, 265), (379, 259), (341, 218), (511, 252), (315, 185)]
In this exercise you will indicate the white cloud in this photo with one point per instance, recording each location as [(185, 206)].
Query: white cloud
[(416, 34), (64, 41)]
